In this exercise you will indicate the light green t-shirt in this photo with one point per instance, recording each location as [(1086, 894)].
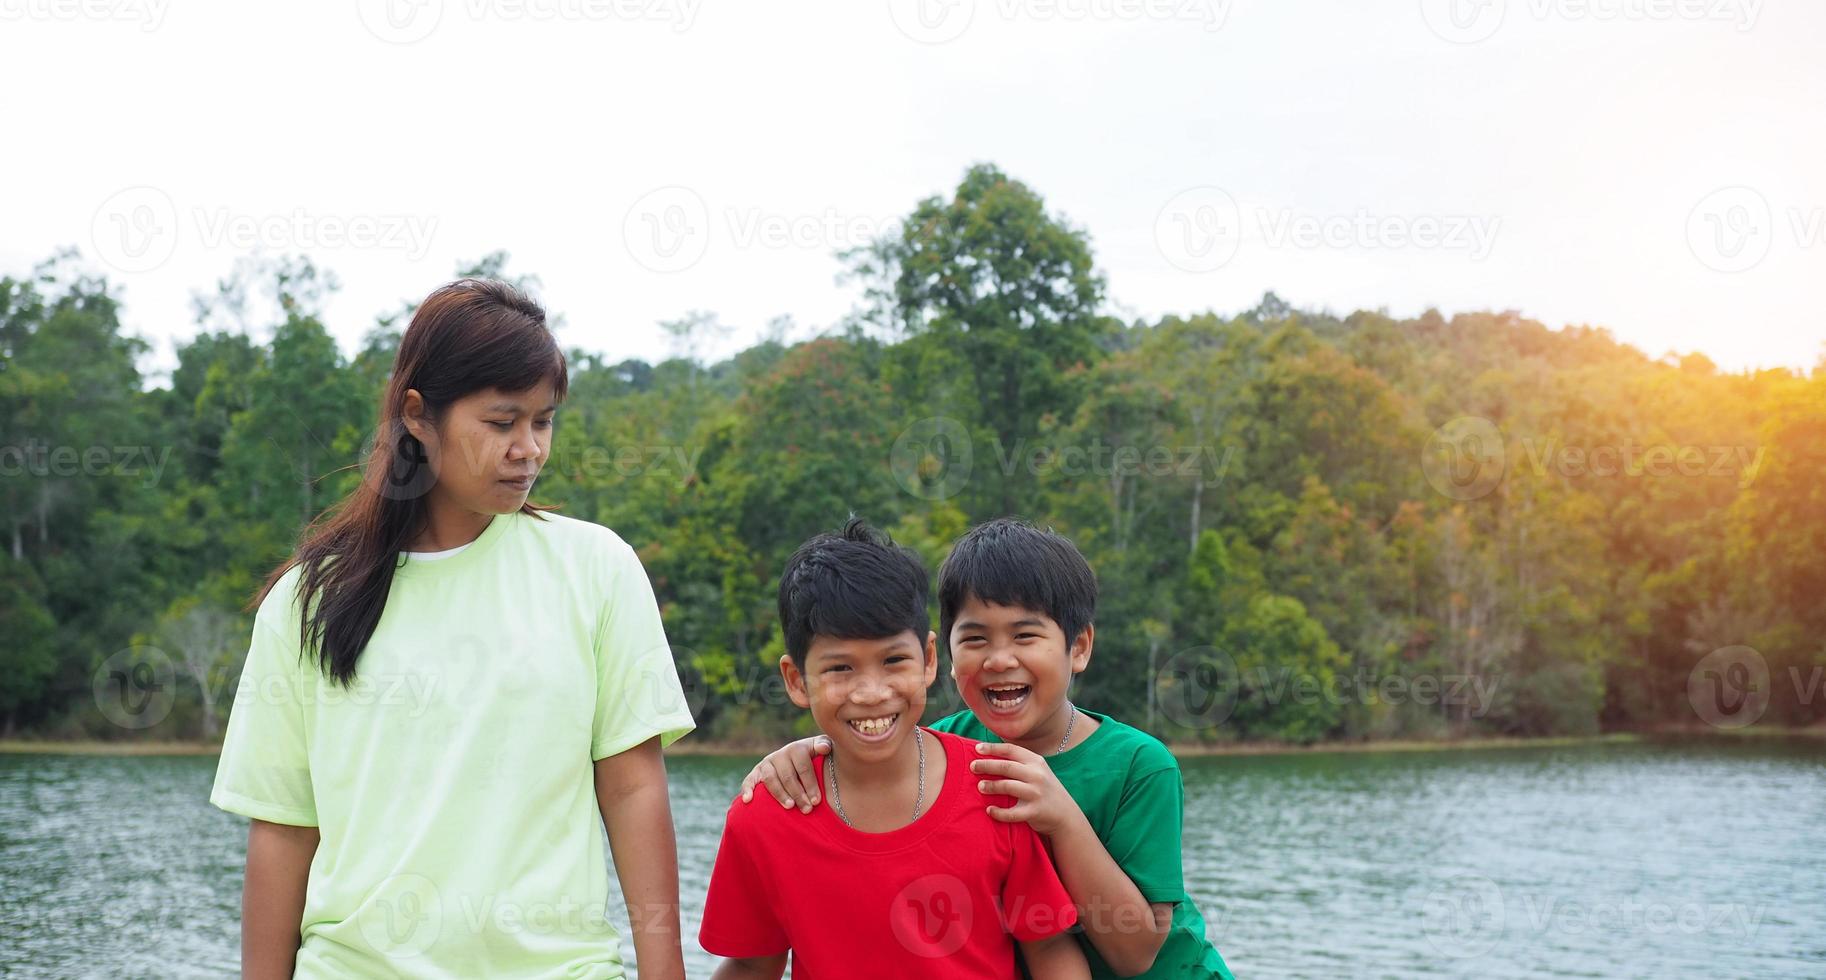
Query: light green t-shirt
[(1129, 787), (452, 785)]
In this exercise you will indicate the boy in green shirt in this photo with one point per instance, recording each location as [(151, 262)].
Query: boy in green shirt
[(1016, 605)]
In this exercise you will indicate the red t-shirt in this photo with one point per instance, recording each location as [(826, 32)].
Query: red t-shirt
[(938, 897)]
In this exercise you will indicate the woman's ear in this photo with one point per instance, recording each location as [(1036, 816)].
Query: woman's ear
[(414, 417)]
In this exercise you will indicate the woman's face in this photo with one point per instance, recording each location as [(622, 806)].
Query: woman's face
[(488, 447)]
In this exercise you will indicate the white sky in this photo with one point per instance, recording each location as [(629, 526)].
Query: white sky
[(1210, 147)]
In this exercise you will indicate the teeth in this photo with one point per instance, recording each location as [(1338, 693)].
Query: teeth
[(873, 726)]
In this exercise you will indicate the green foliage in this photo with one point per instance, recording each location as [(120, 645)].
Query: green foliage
[(1252, 491)]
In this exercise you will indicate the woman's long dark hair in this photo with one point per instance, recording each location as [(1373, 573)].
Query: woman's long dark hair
[(468, 335)]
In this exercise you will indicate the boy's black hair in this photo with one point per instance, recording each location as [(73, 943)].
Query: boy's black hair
[(855, 584), (1010, 562)]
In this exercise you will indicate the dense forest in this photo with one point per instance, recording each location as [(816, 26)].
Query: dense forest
[(1306, 526)]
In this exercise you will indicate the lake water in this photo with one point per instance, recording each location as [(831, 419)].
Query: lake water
[(1651, 859)]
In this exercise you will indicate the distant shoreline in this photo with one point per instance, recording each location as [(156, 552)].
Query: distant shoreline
[(1184, 750)]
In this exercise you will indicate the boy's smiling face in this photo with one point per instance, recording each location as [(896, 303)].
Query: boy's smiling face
[(867, 695), (1013, 666)]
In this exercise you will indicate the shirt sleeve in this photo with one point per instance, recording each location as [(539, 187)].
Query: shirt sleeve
[(638, 694), (265, 770), (739, 919), (1034, 902), (1144, 839)]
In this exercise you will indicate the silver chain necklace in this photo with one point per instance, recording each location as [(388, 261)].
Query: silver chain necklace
[(1070, 720), (919, 740)]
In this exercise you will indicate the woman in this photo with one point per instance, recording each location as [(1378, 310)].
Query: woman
[(448, 693)]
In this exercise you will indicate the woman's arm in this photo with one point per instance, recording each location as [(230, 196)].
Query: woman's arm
[(631, 792), (272, 898)]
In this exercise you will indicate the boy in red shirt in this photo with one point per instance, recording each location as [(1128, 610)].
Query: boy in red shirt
[(900, 872)]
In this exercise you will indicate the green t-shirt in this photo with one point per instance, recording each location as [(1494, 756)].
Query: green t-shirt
[(452, 785), (1128, 786)]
